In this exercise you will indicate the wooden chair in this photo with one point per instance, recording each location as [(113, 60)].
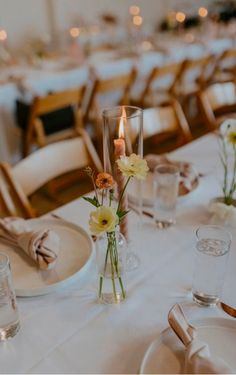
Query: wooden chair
[(36, 133), (164, 128), (160, 85), (42, 166), (122, 83), (194, 76), (225, 69), (217, 103)]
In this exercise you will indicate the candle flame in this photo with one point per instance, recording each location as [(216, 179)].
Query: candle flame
[(122, 124)]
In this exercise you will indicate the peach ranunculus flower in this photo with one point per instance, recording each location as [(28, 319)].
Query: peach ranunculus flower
[(133, 166), (104, 219), (104, 180)]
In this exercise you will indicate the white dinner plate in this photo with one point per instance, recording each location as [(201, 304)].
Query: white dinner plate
[(165, 355), (147, 191), (75, 255)]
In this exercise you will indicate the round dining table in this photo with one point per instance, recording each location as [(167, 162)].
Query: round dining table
[(69, 331)]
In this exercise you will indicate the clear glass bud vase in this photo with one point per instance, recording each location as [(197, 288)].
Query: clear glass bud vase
[(111, 263)]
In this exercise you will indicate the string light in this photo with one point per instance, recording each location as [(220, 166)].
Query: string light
[(3, 35), (137, 20), (180, 16), (74, 32), (134, 10), (202, 12)]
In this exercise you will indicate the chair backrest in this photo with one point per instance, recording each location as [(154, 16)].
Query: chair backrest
[(196, 72), (13, 201), (164, 122), (227, 60), (101, 86), (47, 163), (215, 100), (166, 76), (47, 104), (221, 94)]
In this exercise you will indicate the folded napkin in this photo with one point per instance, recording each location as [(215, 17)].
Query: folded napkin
[(198, 359), (222, 213), (42, 245), (188, 177)]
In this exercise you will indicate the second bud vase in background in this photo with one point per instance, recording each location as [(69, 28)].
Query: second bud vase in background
[(123, 136)]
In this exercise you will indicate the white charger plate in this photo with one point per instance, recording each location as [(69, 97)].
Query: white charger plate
[(76, 250), (165, 355), (147, 191)]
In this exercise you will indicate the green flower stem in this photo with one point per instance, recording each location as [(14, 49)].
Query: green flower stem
[(117, 264), (112, 272), (122, 194), (100, 286), (234, 176), (225, 165)]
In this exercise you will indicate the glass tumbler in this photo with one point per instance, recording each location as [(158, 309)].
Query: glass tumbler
[(212, 250), (165, 188), (9, 318)]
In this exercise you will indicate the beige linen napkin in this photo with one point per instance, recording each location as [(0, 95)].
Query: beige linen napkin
[(198, 359), (42, 245)]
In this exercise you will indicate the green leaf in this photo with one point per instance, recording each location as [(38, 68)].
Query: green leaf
[(121, 214), (93, 201)]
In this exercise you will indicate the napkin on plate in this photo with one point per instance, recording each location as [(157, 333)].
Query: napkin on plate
[(198, 359), (188, 177), (42, 245)]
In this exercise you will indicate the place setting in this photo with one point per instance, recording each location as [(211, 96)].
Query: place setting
[(45, 254)]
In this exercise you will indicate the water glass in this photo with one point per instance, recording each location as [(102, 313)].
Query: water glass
[(165, 187), (212, 250), (9, 318)]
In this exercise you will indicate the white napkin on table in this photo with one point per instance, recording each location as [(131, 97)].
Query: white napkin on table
[(42, 245), (198, 359)]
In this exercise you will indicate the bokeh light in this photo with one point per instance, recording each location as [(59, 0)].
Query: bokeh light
[(202, 12), (137, 20), (74, 32), (180, 16), (3, 35), (134, 10)]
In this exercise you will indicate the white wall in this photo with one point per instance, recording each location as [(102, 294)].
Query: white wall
[(68, 10), (25, 19)]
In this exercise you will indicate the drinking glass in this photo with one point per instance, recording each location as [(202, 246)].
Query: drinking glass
[(123, 136), (212, 250), (166, 185), (9, 319)]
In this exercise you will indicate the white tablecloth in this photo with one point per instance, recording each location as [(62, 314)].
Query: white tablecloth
[(68, 332)]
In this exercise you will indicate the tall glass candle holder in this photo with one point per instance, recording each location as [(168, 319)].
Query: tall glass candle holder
[(123, 136)]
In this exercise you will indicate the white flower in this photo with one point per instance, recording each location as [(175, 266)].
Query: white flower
[(104, 219), (222, 213), (133, 166), (228, 126)]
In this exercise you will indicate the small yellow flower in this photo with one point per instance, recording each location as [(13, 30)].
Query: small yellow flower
[(104, 219), (133, 166), (104, 180), (231, 137)]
